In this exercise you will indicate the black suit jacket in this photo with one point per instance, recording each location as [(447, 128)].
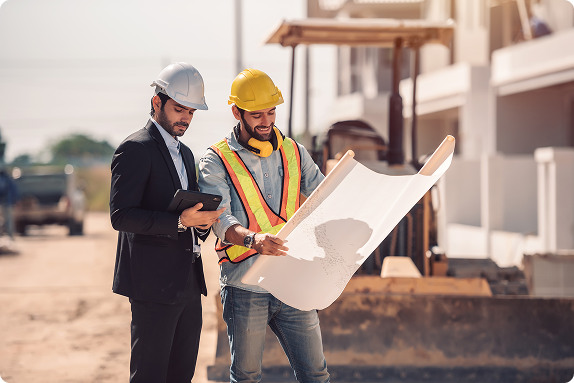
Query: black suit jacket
[(153, 260)]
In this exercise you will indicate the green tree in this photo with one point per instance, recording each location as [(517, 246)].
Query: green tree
[(81, 149), (23, 160)]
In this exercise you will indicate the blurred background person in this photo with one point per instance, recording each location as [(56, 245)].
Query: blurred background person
[(8, 197)]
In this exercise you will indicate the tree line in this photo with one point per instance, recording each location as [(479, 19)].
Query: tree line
[(75, 149)]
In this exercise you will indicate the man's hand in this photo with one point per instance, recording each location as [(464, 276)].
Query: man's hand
[(192, 217), (269, 244), (266, 244)]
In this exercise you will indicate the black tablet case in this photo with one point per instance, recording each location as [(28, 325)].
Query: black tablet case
[(184, 199)]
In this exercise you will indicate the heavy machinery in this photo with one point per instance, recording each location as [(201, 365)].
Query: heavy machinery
[(449, 325)]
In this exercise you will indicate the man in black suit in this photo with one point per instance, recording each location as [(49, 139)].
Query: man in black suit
[(158, 261)]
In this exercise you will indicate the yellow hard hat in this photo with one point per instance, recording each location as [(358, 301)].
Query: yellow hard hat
[(253, 90)]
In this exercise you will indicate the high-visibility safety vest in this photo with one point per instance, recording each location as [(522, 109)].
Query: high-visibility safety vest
[(261, 219)]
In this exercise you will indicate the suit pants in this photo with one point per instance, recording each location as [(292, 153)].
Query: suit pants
[(165, 337)]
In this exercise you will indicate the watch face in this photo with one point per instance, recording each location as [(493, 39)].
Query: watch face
[(248, 241)]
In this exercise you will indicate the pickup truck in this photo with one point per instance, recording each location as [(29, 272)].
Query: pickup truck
[(49, 196)]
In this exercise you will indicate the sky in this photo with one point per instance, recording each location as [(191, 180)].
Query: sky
[(69, 66)]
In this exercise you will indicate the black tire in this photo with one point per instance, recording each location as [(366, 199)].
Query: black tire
[(80, 228), (76, 228), (21, 228)]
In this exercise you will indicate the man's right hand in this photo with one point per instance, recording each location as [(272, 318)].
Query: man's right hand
[(269, 244), (192, 217)]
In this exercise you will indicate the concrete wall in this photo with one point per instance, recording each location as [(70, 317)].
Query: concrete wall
[(471, 40), (462, 88), (435, 56), (555, 202), (520, 195), (432, 129), (475, 123), (529, 120), (465, 241), (489, 208), (509, 193), (460, 190)]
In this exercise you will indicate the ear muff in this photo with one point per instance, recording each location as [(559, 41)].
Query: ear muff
[(264, 148)]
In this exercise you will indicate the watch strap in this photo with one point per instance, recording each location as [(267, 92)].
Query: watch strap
[(180, 226)]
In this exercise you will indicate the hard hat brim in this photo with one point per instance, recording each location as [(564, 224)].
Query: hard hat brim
[(244, 106), (179, 101)]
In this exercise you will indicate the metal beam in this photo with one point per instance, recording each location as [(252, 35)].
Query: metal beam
[(395, 154), (415, 69), (290, 127), (238, 38)]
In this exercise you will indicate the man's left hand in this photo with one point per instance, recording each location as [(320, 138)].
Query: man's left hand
[(192, 217)]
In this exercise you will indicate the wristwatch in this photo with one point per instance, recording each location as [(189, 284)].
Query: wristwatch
[(249, 240), (180, 226)]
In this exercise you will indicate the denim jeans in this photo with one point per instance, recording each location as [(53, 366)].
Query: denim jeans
[(247, 315)]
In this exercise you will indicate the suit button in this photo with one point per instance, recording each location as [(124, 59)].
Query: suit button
[(169, 236), (187, 249)]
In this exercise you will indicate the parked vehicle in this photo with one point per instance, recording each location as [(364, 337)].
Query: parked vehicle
[(49, 196)]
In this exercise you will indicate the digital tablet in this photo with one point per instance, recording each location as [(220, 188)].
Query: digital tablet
[(184, 199)]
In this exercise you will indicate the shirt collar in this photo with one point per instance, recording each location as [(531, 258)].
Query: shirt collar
[(169, 140), (233, 143)]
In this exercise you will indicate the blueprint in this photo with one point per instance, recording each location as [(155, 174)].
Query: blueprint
[(338, 227)]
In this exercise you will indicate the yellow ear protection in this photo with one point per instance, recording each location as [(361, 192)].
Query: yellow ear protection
[(262, 148)]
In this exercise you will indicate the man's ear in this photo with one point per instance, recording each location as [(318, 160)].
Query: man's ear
[(235, 112), (156, 102)]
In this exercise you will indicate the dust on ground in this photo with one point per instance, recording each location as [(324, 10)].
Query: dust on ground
[(60, 321)]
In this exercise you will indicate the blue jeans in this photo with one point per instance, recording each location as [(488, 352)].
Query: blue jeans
[(247, 315)]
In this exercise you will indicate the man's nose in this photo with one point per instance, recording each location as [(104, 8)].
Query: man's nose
[(265, 120)]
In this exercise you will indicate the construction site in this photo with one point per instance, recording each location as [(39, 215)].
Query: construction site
[(474, 284), (490, 298)]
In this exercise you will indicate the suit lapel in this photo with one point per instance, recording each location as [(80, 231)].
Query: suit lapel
[(156, 135), (189, 163)]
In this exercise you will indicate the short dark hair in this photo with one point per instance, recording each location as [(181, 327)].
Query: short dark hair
[(163, 97)]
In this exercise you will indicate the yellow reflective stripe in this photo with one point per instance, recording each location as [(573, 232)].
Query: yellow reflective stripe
[(294, 177), (246, 183), (237, 251)]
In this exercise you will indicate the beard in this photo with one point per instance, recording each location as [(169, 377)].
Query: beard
[(253, 133), (170, 126)]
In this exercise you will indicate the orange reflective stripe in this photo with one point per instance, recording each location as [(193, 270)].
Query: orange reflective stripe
[(220, 246), (266, 219), (253, 224)]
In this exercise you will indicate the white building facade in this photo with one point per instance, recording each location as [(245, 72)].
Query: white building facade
[(505, 90)]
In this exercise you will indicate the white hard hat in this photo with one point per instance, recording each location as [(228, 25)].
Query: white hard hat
[(183, 83)]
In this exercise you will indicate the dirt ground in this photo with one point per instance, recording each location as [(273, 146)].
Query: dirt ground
[(60, 321)]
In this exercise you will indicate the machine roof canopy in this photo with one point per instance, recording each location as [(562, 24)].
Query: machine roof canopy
[(359, 32)]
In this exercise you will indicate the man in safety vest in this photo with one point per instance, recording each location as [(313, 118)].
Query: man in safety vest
[(260, 174)]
